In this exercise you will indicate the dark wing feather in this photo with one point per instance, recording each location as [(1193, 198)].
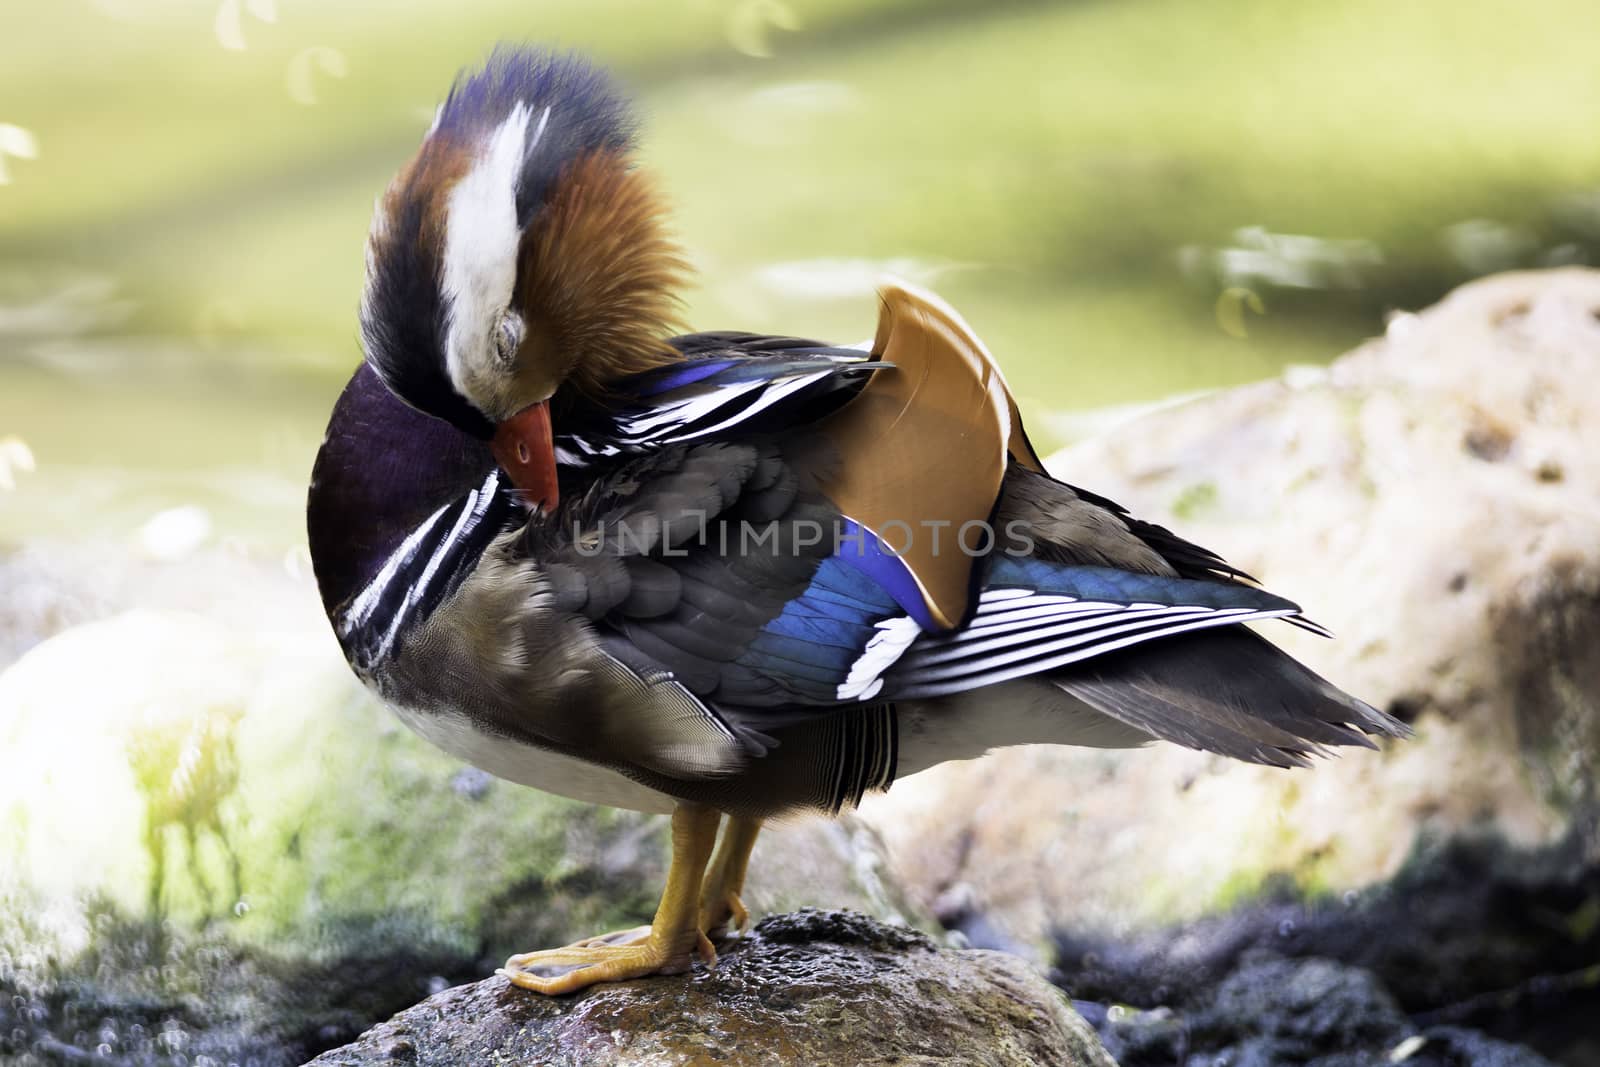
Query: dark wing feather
[(1227, 691), (726, 391), (796, 621), (1187, 558), (715, 343), (702, 557), (1077, 526)]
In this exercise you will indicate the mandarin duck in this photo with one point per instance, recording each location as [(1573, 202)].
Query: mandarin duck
[(724, 575)]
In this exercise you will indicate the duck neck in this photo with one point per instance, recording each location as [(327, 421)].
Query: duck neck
[(401, 507)]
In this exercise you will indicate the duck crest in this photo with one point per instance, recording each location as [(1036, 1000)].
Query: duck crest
[(522, 203), (574, 104)]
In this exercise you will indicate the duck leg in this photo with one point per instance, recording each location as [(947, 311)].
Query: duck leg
[(719, 895), (673, 939)]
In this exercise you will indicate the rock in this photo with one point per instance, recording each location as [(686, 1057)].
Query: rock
[(802, 989), (1472, 931), (37, 605), (1432, 498), (1273, 1011), (1450, 1045), (203, 816), (1305, 1008), (1270, 1011)]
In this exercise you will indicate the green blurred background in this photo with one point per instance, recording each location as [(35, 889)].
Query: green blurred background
[(1127, 198)]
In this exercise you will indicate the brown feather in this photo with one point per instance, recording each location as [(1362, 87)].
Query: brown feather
[(927, 442), (599, 278), (426, 180)]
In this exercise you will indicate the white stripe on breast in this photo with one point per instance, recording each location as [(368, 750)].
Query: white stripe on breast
[(364, 604)]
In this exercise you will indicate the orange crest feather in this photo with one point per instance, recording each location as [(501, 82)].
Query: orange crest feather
[(599, 277)]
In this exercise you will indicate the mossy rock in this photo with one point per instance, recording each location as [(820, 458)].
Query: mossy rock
[(218, 830)]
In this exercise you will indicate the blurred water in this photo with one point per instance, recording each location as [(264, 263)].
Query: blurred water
[(161, 443)]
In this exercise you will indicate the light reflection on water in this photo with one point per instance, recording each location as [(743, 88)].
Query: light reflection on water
[(844, 279), (15, 457), (1259, 257), (17, 142)]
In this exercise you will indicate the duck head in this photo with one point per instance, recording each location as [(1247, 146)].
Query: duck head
[(519, 253)]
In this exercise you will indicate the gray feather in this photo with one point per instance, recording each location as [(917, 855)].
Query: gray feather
[(653, 589), (1069, 529), (1226, 691)]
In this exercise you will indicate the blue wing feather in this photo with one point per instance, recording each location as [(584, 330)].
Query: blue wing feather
[(820, 634), (1068, 612), (676, 376)]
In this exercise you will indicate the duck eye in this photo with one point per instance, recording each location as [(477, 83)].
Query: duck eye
[(508, 336)]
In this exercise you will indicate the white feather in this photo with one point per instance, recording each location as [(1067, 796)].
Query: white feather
[(480, 248), (367, 600), (894, 636)]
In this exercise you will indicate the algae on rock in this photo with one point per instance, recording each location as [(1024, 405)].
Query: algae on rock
[(206, 816)]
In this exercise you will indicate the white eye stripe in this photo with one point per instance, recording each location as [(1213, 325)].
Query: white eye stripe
[(480, 255)]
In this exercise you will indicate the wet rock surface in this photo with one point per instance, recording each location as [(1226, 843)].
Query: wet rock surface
[(1273, 1011), (1475, 947), (802, 989)]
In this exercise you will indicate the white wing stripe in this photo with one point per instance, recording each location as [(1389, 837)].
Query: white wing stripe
[(922, 689), (994, 620), (1034, 636), (772, 394), (676, 414), (1077, 638), (992, 596), (684, 409)]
